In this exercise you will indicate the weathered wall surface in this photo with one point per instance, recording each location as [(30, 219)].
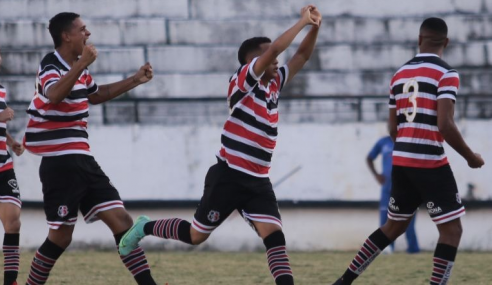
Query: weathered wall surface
[(193, 43)]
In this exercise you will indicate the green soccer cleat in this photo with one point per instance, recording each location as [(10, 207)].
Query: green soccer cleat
[(132, 237)]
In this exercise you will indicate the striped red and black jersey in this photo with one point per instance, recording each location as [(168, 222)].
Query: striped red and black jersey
[(250, 132), (59, 129), (5, 158), (414, 91)]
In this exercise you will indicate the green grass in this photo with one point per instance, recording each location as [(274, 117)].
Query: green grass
[(207, 268)]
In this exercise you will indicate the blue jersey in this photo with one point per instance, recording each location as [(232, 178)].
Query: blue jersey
[(384, 146)]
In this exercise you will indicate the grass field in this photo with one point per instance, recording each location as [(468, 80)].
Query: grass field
[(212, 268)]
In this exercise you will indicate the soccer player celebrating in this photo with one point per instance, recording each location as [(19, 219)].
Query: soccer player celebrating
[(10, 203), (239, 181), (422, 97), (57, 131)]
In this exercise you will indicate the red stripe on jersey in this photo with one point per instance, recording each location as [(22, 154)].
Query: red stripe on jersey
[(242, 78), (7, 166), (3, 145), (420, 134), (450, 81), (50, 125), (243, 132), (422, 71), (47, 77), (419, 163), (62, 106), (277, 80), (58, 147), (260, 110), (421, 103), (2, 94), (82, 79), (88, 80), (243, 163), (232, 84)]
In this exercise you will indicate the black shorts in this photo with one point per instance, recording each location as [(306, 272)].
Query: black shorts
[(434, 187), (226, 190), (9, 190), (72, 182)]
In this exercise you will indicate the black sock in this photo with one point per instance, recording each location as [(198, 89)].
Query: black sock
[(376, 242), (443, 264), (43, 262), (278, 260), (136, 263), (11, 254), (169, 229)]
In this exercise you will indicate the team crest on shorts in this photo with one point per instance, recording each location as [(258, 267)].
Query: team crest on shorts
[(458, 198), (213, 216), (15, 187), (62, 211)]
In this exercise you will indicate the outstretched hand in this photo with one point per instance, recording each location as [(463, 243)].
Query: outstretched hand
[(144, 74)]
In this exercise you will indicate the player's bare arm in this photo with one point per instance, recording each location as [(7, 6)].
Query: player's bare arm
[(61, 89), (305, 50), (110, 91), (16, 147), (283, 42), (6, 115), (451, 134)]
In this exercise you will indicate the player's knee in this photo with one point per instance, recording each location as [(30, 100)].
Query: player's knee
[(393, 229), (118, 220), (126, 219), (12, 226), (266, 229), (452, 230), (62, 236), (198, 237), (62, 241)]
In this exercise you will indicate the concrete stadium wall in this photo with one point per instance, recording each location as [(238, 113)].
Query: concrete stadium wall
[(193, 43), (170, 162)]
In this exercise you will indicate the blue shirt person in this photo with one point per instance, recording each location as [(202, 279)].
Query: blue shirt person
[(384, 147)]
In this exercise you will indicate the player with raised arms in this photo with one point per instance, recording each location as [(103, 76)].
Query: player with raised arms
[(57, 131), (239, 181), (422, 97)]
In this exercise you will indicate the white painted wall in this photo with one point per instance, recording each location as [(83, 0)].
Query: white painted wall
[(305, 230), (165, 162)]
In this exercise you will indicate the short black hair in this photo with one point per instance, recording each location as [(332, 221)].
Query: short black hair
[(435, 25), (60, 23), (249, 46)]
